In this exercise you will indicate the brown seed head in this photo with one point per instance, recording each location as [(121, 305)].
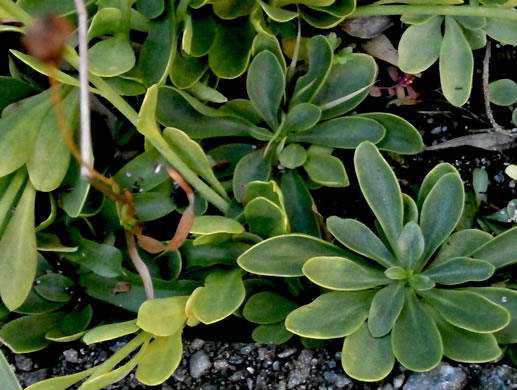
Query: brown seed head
[(47, 37)]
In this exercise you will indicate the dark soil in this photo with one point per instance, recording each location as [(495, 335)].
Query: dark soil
[(221, 366)]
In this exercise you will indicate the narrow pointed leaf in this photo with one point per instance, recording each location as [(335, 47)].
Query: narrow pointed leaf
[(61, 382), (338, 273), (331, 315), (367, 358), (110, 332)]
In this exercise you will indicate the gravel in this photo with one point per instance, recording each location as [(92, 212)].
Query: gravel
[(243, 366)]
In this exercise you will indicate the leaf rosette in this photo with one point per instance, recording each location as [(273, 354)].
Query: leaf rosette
[(415, 291)]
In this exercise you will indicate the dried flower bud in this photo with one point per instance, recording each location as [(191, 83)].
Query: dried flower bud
[(47, 37)]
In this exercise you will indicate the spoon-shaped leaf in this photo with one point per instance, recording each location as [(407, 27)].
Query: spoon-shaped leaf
[(339, 273), (222, 294), (464, 346), (460, 270), (424, 39), (373, 172), (456, 64), (500, 251), (468, 310), (331, 315), (267, 307), (415, 339), (286, 254), (111, 57), (319, 53), (400, 135), (18, 254), (230, 52), (162, 316), (367, 358), (441, 212), (385, 309), (345, 133), (265, 84), (508, 299), (359, 238), (160, 360)]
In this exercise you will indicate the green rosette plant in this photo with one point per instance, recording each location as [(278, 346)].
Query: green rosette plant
[(413, 293), (299, 131)]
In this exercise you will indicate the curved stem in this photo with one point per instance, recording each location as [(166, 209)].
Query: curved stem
[(489, 12)]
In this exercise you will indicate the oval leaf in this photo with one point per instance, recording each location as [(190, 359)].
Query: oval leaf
[(338, 273), (331, 315), (285, 255)]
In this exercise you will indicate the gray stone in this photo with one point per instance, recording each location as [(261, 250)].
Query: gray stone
[(443, 377), (199, 364), (34, 377), (23, 363), (398, 381), (498, 378), (197, 344), (71, 355)]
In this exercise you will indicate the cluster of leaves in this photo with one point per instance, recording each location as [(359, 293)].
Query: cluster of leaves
[(428, 284)]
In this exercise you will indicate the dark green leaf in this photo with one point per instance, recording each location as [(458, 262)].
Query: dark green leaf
[(285, 255), (267, 307), (367, 358), (415, 339), (331, 315), (339, 273)]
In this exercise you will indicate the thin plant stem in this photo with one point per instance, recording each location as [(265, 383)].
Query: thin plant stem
[(489, 12), (486, 80), (139, 264), (86, 137)]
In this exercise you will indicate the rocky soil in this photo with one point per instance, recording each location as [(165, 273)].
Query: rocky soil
[(246, 366)]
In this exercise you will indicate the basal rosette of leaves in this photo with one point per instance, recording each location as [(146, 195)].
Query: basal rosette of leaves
[(299, 131), (414, 292)]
